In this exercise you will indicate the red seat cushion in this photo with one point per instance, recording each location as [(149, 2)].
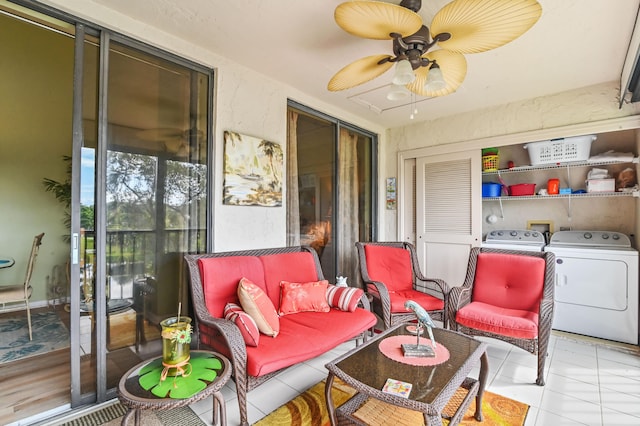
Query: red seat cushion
[(389, 265), (515, 323), (397, 298), (306, 335), (509, 281)]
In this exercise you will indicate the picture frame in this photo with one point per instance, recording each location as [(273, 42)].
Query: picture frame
[(252, 171)]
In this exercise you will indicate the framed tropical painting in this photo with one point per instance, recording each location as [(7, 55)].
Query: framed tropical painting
[(252, 171)]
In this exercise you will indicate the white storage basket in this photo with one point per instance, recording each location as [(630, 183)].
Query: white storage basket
[(560, 150)]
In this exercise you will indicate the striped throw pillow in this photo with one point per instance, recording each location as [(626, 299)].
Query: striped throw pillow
[(344, 298), (244, 322)]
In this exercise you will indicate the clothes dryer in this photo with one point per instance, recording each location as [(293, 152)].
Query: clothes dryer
[(596, 284)]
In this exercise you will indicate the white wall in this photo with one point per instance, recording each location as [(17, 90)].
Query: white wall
[(246, 102)]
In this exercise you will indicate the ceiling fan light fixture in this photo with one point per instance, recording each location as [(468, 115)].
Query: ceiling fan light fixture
[(403, 73), (435, 79), (398, 92)]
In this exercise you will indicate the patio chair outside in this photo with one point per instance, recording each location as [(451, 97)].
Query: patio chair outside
[(21, 293)]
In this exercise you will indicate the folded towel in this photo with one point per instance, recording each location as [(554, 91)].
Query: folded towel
[(596, 173), (611, 156)]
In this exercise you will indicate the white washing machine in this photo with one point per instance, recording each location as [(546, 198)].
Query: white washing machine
[(596, 284), (514, 239)]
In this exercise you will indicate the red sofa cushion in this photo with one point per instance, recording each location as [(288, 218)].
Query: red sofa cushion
[(509, 281), (306, 335), (224, 274), (293, 267), (520, 324), (389, 265)]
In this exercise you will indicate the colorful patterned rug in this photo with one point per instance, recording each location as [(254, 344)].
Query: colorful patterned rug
[(309, 409), (49, 334)]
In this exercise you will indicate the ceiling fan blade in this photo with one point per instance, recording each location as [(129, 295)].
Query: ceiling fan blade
[(454, 69), (359, 72), (376, 20), (480, 25)]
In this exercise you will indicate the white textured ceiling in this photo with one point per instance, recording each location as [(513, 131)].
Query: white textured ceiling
[(576, 43)]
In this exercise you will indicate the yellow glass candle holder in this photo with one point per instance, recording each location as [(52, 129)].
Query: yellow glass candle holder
[(176, 340)]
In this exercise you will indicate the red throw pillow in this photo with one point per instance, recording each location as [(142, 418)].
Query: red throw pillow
[(246, 324), (257, 304), (344, 298), (303, 297)]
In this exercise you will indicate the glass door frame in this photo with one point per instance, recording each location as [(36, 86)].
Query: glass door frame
[(339, 124), (82, 29)]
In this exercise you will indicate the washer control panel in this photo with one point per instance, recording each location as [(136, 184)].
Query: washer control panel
[(515, 236), (590, 239)]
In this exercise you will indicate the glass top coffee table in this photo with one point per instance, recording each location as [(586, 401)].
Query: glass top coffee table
[(367, 369)]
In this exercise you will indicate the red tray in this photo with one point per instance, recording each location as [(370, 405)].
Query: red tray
[(522, 189)]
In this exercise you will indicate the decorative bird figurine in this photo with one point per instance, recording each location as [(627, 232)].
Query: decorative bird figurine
[(423, 318)]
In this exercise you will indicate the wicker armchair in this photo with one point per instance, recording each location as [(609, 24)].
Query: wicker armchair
[(507, 295), (391, 275)]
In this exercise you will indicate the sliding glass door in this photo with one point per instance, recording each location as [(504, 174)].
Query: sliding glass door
[(330, 189), (143, 203), (119, 133)]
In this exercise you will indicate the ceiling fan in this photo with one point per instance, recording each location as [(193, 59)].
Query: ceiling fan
[(462, 26)]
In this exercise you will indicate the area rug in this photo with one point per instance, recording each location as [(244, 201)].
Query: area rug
[(309, 409), (49, 334), (111, 415)]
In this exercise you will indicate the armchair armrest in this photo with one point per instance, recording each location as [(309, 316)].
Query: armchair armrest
[(381, 288), (457, 298), (546, 311), (422, 284), (364, 302)]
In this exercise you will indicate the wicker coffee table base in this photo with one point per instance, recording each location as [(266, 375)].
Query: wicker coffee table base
[(347, 413)]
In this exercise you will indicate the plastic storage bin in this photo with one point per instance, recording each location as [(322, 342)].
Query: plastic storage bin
[(560, 150), (491, 189), (522, 189), (490, 159)]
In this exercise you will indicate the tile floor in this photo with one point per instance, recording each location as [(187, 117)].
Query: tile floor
[(588, 382)]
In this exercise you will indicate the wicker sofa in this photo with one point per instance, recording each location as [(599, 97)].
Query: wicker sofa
[(214, 280)]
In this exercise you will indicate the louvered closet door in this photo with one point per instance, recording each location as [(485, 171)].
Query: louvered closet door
[(448, 213)]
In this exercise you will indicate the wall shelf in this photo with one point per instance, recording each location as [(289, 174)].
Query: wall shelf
[(559, 196), (558, 166)]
